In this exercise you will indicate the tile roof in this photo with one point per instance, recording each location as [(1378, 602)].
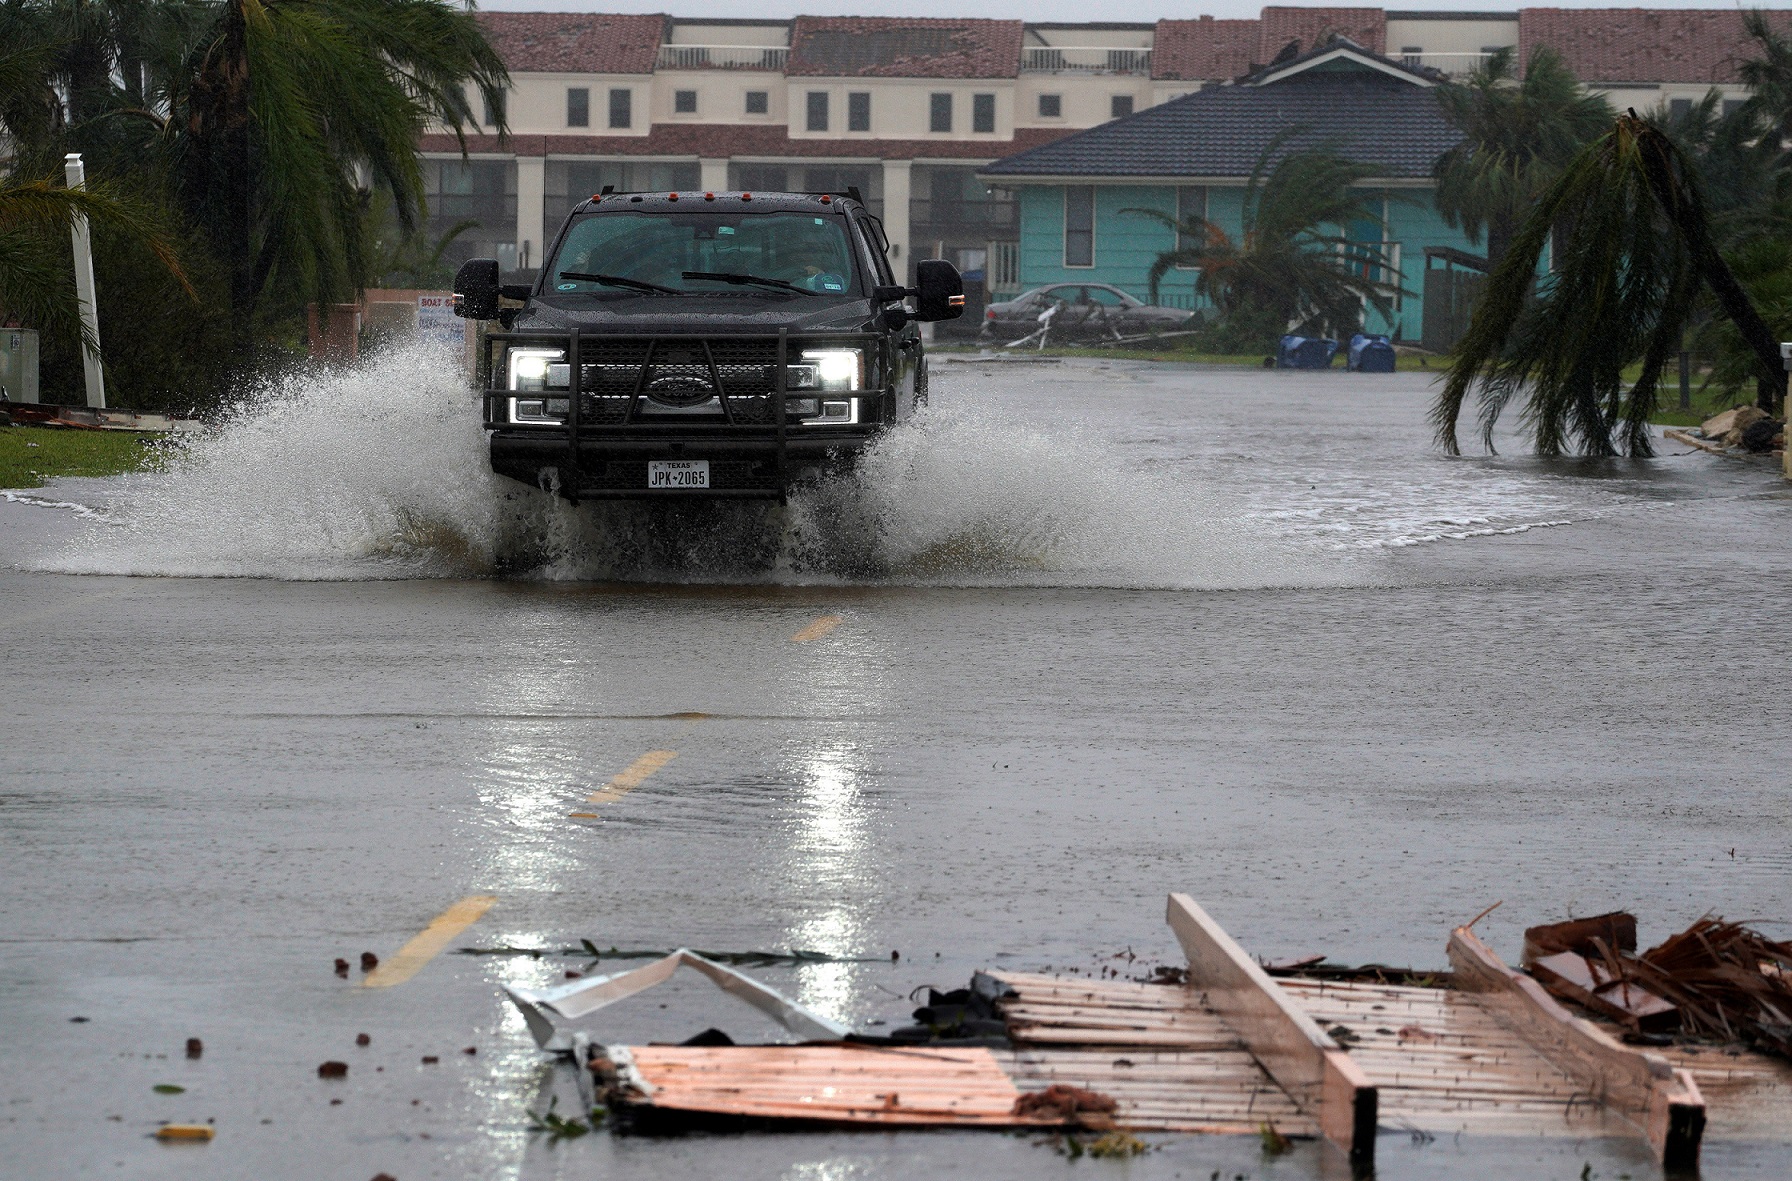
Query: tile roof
[(575, 42), (1221, 131), (1204, 50), (904, 47), (1642, 44), (722, 140), (1368, 27)]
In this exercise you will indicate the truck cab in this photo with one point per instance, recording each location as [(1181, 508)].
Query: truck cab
[(701, 344)]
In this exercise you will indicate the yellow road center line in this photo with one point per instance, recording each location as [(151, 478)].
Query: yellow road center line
[(632, 776), (429, 942), (818, 629)]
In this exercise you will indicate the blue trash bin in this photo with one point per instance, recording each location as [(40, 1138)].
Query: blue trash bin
[(1306, 352), (1370, 353)]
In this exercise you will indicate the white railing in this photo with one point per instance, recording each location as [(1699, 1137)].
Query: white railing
[(723, 57), (1084, 59), (1456, 65), (1003, 274)]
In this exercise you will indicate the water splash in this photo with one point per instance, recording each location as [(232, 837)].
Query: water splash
[(380, 471)]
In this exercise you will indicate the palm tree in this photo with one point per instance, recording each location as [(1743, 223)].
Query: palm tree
[(1517, 136), (1294, 267), (1634, 245), (286, 115), (36, 284)]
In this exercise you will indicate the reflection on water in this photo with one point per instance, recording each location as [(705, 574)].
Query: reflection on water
[(828, 858)]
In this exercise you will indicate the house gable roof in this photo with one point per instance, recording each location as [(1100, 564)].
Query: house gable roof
[(1340, 55), (1393, 124)]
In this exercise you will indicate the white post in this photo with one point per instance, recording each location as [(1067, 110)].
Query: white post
[(898, 179), (90, 312), (531, 195)]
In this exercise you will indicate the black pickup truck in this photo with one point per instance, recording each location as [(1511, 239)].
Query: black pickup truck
[(698, 344)]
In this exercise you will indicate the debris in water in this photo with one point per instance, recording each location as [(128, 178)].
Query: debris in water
[(737, 959), (342, 968), (430, 1059), (362, 1039), (168, 1089), (195, 1047), (369, 961), (1118, 1144), (557, 1126), (1274, 1143), (1062, 1103), (333, 1070), (196, 1132)]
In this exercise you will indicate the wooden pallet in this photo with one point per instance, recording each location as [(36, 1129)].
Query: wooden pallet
[(1170, 1063)]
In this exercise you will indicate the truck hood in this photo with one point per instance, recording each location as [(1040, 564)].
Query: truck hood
[(696, 314)]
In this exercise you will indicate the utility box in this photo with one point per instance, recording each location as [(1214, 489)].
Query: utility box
[(18, 364)]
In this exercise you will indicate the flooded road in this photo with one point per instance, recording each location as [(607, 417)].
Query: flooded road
[(1089, 633)]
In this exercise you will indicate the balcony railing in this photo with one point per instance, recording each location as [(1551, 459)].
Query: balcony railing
[(723, 57), (1084, 59), (988, 216), (1455, 65)]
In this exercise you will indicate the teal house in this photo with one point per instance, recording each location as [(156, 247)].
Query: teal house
[(1194, 154)]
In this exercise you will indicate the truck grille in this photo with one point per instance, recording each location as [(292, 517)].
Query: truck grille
[(612, 369)]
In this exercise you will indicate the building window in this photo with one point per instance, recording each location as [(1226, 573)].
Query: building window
[(1731, 106), (1120, 106), (858, 111), (939, 112), (684, 102), (758, 102), (1079, 225), (1051, 106), (621, 108), (983, 112), (578, 107), (1679, 108), (818, 110), (494, 108), (1191, 201), (1413, 55)]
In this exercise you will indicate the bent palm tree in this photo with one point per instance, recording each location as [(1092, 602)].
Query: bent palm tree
[(1294, 266), (1517, 137), (1635, 243)]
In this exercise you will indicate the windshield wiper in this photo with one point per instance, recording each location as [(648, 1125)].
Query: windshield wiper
[(737, 279), (619, 281)]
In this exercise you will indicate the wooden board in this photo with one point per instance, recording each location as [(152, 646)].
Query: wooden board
[(1441, 1063), (1645, 1089), (833, 1084), (1315, 1071), (1171, 1064)]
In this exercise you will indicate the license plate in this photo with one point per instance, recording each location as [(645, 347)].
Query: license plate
[(678, 473)]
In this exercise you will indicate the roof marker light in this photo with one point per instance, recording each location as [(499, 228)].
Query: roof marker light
[(671, 196), (597, 196), (709, 196), (746, 196), (826, 200)]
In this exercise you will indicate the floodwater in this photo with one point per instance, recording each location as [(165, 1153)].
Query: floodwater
[(1104, 631)]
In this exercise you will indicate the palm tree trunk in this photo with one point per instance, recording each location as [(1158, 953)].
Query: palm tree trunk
[(1770, 378)]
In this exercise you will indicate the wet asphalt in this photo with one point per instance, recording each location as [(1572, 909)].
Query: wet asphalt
[(1394, 690)]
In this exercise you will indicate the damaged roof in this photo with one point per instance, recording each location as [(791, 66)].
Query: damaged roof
[(1638, 44), (575, 42), (904, 47), (1372, 117)]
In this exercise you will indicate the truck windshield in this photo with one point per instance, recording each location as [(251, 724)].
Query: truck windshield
[(800, 250)]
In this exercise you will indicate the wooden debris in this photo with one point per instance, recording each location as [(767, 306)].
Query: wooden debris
[(839, 1084)]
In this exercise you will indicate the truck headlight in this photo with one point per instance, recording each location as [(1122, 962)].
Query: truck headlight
[(537, 369), (828, 369)]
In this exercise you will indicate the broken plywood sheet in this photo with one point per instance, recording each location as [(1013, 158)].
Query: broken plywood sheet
[(1168, 1063), (839, 1083), (1442, 1063)]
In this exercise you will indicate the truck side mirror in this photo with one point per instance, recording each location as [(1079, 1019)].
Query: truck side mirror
[(939, 291), (476, 290)]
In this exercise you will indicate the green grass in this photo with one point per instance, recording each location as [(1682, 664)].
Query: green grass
[(29, 455)]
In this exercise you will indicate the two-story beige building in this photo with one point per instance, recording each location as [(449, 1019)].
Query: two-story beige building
[(907, 110)]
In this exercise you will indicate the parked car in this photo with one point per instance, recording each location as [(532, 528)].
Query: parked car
[(702, 345), (1084, 309)]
